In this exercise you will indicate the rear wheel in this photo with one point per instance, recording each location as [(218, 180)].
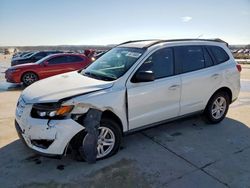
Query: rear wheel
[(217, 107), (29, 78)]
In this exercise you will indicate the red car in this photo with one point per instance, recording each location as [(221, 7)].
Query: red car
[(46, 67)]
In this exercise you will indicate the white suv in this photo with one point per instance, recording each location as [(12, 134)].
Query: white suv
[(135, 85)]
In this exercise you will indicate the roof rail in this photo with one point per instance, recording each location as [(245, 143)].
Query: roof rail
[(157, 41), (131, 41), (176, 40)]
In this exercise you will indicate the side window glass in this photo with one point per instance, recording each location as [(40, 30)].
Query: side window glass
[(208, 59), (219, 54), (57, 60), (40, 55), (73, 59), (190, 58), (160, 62)]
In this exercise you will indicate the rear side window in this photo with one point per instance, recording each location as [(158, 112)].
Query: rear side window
[(72, 59), (160, 62), (58, 60), (190, 58), (219, 54), (208, 59)]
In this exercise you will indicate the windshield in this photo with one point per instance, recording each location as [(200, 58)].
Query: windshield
[(28, 54), (43, 59), (113, 64)]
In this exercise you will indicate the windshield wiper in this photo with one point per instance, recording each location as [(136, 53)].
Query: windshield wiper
[(97, 76)]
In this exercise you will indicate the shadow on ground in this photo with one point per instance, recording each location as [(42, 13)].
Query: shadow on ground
[(184, 152), (5, 86)]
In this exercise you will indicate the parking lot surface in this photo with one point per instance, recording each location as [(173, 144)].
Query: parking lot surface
[(184, 153)]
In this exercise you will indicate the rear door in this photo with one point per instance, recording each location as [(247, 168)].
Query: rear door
[(158, 100), (198, 77)]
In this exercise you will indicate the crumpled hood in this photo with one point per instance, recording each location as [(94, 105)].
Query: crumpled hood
[(61, 86)]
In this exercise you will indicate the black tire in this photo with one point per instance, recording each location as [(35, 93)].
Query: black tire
[(213, 113), (107, 123), (29, 78)]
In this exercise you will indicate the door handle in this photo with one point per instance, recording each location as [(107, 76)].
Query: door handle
[(174, 87)]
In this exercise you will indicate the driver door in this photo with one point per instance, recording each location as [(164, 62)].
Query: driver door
[(158, 100)]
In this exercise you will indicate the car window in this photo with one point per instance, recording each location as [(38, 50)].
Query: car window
[(58, 60), (219, 54), (113, 64), (29, 54), (190, 58), (72, 59), (40, 55), (52, 52), (208, 59), (160, 62)]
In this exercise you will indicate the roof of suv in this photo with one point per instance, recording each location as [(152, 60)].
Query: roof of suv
[(149, 43)]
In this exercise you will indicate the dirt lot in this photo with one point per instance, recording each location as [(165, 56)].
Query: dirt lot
[(184, 153)]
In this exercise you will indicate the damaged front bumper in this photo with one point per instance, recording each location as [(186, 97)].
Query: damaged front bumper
[(47, 137)]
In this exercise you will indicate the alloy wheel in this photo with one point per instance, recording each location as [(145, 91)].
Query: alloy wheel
[(29, 78), (106, 142), (219, 107)]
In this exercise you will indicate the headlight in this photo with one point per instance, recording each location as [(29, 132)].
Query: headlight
[(13, 70), (51, 110)]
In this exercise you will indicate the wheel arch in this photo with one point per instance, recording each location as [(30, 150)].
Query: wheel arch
[(111, 115), (222, 89), (75, 142)]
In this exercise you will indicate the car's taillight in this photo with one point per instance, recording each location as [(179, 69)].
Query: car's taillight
[(239, 67)]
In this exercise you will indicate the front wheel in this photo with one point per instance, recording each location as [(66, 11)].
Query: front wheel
[(29, 78), (109, 139), (217, 107)]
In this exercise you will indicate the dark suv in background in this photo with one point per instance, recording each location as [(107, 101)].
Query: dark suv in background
[(33, 57)]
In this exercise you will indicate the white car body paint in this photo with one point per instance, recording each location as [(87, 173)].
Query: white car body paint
[(58, 130), (135, 104), (62, 86)]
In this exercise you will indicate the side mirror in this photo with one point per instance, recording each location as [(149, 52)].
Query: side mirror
[(143, 76)]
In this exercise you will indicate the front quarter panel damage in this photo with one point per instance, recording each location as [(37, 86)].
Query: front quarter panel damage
[(109, 99)]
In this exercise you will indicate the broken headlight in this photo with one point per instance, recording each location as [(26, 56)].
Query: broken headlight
[(50, 110)]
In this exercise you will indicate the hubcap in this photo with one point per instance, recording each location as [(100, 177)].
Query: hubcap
[(29, 78), (106, 142), (219, 107)]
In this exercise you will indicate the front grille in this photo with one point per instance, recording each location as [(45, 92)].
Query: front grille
[(44, 144)]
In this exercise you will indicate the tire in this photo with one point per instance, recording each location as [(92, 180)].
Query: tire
[(29, 78), (217, 107), (113, 131)]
